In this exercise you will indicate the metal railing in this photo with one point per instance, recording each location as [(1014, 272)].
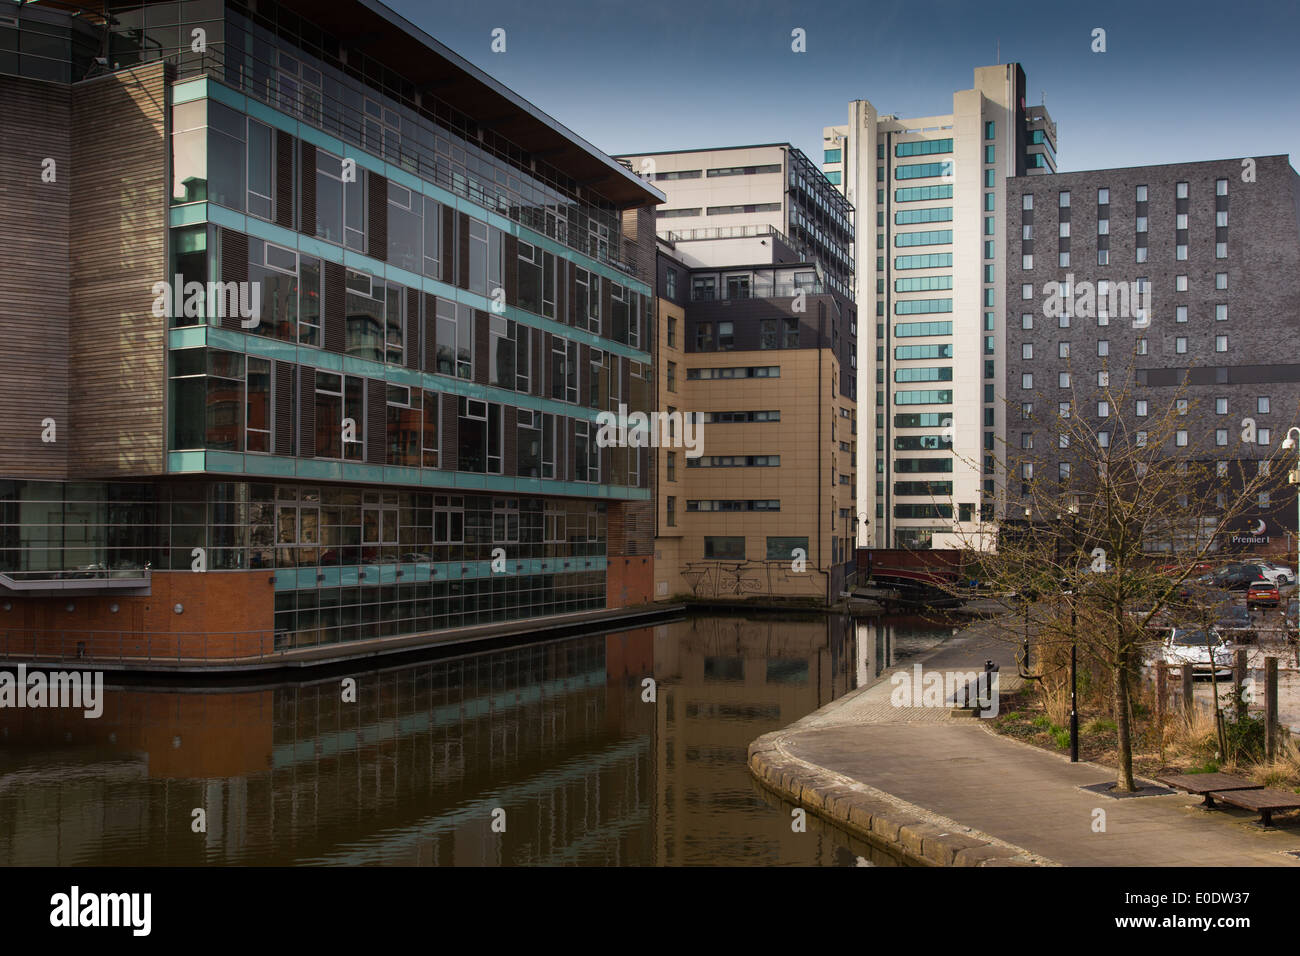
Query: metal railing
[(86, 647)]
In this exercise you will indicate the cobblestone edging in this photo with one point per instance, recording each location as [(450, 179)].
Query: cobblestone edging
[(881, 819)]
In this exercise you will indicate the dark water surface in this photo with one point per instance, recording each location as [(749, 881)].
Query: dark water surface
[(553, 739)]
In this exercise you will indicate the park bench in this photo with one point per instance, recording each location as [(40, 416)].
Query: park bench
[(1264, 799), (1209, 785)]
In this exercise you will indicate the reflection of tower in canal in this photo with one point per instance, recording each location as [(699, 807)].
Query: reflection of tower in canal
[(724, 681)]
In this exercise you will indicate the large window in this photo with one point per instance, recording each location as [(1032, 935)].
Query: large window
[(340, 206), (537, 280), (261, 170), (717, 547), (365, 321), (564, 369), (340, 416), (405, 229), (257, 405), (479, 436), (455, 339)]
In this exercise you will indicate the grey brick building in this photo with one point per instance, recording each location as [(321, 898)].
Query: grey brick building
[(1187, 272)]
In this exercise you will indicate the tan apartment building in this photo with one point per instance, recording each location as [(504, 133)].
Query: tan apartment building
[(761, 503)]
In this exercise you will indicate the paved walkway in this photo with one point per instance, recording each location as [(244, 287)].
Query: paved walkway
[(972, 797)]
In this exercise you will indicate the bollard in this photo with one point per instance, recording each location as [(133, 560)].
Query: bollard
[(1239, 679), (1270, 708), (1188, 698), (1162, 692)]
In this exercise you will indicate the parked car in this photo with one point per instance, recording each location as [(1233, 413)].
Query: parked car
[(1279, 574), (1236, 623), (1235, 577), (1201, 649), (1262, 594)]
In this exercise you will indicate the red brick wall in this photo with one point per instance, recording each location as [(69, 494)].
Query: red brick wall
[(226, 614), (629, 580)]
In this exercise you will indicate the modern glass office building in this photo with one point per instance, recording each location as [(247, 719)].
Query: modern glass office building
[(334, 314)]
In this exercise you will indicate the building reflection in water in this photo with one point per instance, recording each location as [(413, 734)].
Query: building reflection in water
[(555, 734)]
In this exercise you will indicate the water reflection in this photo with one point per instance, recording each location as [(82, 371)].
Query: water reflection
[(556, 735)]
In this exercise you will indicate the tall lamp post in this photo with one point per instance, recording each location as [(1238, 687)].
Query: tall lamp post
[(1294, 478), (1074, 643)]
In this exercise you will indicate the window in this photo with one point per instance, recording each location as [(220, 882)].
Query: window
[(1220, 250), (340, 206), (1264, 436), (1180, 251), (1220, 406), (1103, 227), (454, 339), (1221, 312), (261, 170), (1103, 197), (1103, 257), (1026, 411), (726, 335), (1063, 199), (1180, 313), (1181, 191), (704, 337), (1142, 347), (1063, 409), (405, 229), (1103, 346), (340, 416), (1140, 439), (1027, 202), (1221, 280), (1181, 406), (1141, 408), (1220, 343), (1261, 405), (1026, 262), (1063, 379), (1027, 291), (1063, 349), (535, 285), (479, 437), (1141, 225), (1103, 409), (1026, 350), (724, 548), (670, 283), (1180, 438), (1180, 345), (1180, 283), (1220, 187), (1141, 194), (672, 376), (672, 332), (671, 511), (1027, 380), (792, 333)]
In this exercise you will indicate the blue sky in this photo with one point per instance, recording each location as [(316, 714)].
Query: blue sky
[(1178, 81)]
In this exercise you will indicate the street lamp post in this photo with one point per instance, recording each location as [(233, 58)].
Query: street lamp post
[(1294, 477), (1074, 644)]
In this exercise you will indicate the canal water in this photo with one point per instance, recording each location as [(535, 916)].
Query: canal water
[(547, 754)]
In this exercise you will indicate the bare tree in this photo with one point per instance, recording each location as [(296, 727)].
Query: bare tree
[(1110, 515)]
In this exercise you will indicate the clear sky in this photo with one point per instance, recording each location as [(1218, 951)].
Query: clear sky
[(1179, 81)]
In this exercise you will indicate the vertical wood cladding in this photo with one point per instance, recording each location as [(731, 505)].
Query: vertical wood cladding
[(509, 423), (117, 347), (234, 268), (429, 331), (306, 412), (462, 251), (448, 436), (284, 198), (546, 364), (284, 389), (449, 246), (376, 421), (482, 354), (377, 214), (307, 187), (511, 273), (537, 345), (569, 279), (34, 278), (412, 353), (335, 308)]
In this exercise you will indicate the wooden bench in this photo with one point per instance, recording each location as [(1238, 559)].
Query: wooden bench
[(1265, 800), (1209, 784)]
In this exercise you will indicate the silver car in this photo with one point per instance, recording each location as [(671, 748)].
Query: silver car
[(1192, 647)]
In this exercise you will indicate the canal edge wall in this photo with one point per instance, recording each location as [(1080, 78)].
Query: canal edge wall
[(881, 819)]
